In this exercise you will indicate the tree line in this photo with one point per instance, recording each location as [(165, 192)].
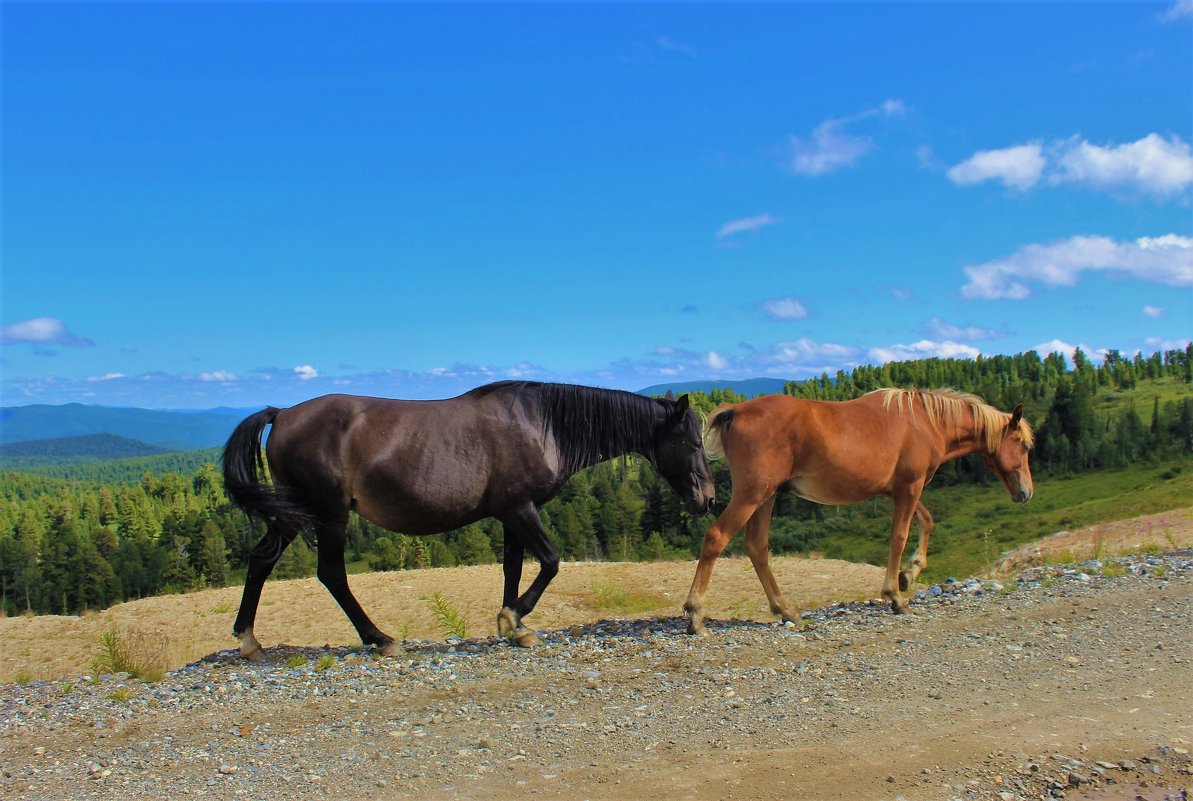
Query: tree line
[(74, 542)]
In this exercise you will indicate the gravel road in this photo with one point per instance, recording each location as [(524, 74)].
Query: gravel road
[(1069, 682)]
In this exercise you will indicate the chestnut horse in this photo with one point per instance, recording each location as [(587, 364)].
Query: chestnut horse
[(422, 467), (839, 452)]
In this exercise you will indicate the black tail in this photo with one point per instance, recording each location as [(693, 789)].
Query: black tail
[(244, 480)]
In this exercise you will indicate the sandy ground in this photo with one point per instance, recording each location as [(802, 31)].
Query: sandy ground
[(184, 628)]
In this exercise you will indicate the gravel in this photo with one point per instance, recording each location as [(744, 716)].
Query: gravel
[(634, 707)]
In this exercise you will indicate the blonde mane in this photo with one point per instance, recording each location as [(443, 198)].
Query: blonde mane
[(946, 408)]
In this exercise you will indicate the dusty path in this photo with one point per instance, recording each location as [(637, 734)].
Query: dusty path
[(1069, 679)]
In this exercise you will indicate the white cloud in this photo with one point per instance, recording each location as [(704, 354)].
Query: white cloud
[(672, 46), (105, 377), (716, 361), (305, 372), (923, 349), (784, 309), (1181, 9), (1165, 259), (945, 330), (1153, 165), (1066, 349), (832, 147), (745, 224), (222, 376), (41, 331), (1153, 311), (804, 351), (1019, 167)]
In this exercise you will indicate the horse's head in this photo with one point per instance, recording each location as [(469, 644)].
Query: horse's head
[(679, 456), (1009, 461)]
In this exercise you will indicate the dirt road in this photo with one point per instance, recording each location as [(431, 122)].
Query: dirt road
[(1072, 683)]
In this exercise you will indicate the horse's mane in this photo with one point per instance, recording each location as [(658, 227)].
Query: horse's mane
[(945, 409), (589, 424)]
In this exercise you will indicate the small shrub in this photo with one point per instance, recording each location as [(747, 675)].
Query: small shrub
[(135, 653), (22, 678), (296, 662), (451, 622), (325, 662), (1113, 570)]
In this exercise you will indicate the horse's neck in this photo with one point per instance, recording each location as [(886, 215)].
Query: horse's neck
[(607, 439), (964, 439)]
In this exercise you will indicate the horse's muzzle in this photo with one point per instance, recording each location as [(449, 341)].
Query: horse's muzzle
[(1022, 496)]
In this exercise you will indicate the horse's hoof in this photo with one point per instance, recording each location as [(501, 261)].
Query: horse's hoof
[(698, 630), (507, 623), (255, 655), (390, 649), (901, 607), (526, 639)]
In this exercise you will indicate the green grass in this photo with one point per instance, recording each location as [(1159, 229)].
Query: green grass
[(451, 620), (609, 596), (974, 524), (140, 655)]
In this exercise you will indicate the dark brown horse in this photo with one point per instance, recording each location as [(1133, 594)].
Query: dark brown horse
[(422, 467), (846, 452)]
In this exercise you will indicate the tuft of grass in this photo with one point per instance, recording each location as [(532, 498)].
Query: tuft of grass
[(222, 609), (451, 621), (22, 678), (1112, 570), (325, 662), (609, 596), (296, 662), (121, 694), (138, 654)]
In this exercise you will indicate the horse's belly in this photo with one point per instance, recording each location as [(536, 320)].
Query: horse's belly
[(418, 503), (831, 493)]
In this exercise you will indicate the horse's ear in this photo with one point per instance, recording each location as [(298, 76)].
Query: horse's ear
[(681, 405), (1016, 417)]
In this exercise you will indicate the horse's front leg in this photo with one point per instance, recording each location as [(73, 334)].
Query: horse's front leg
[(906, 501), (925, 523), (524, 526), (716, 538), (508, 621), (758, 549)]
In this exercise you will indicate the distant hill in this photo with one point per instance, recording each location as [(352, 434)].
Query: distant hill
[(170, 430), (750, 387), (89, 446)]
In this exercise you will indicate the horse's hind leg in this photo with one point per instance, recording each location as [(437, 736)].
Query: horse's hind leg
[(925, 523), (333, 575), (758, 549), (524, 526), (716, 538), (262, 558)]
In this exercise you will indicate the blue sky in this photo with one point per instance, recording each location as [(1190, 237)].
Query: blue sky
[(248, 204)]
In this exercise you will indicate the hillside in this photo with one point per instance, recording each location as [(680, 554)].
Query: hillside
[(750, 387), (170, 430), (1053, 682), (85, 448)]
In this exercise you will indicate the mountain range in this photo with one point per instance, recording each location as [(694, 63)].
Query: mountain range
[(183, 430)]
